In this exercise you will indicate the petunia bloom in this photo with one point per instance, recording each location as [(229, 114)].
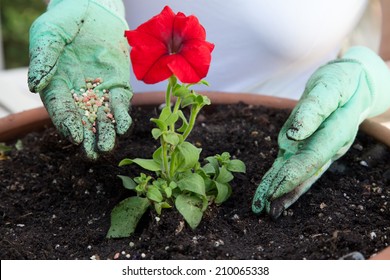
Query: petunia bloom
[(170, 44)]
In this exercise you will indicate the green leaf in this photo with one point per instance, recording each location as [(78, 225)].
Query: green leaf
[(188, 100), (236, 165), (194, 98), (205, 203), (165, 113), (161, 125), (172, 185), (209, 184), (224, 191), (142, 179), (156, 132), (157, 155), (165, 204), (206, 100), (160, 183), (172, 118), (166, 118), (127, 182), (188, 206), (214, 163), (168, 192), (202, 100), (159, 206), (125, 161), (224, 158), (224, 175), (203, 82), (171, 137), (4, 148), (126, 215), (140, 189), (193, 183), (180, 91), (173, 80), (19, 145), (186, 156), (148, 164), (184, 120), (154, 194), (208, 169)]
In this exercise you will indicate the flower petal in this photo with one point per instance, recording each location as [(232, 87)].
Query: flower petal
[(197, 57), (183, 70), (146, 50), (137, 38), (188, 28), (159, 71), (160, 26)]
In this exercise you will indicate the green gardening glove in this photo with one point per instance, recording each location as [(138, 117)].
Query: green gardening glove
[(323, 125), (80, 44)]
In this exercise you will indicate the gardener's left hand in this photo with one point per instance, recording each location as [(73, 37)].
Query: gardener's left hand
[(77, 41), (322, 127)]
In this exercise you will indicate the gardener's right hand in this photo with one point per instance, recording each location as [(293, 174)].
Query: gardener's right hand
[(323, 125), (77, 40)]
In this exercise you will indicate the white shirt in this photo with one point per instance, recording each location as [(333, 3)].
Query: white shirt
[(267, 47)]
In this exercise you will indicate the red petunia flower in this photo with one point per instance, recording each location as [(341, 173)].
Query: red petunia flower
[(170, 44)]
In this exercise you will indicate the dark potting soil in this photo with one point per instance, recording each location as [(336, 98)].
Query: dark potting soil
[(54, 204)]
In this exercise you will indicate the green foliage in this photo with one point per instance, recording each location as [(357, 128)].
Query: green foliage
[(16, 19), (180, 179), (131, 210), (190, 207), (4, 149)]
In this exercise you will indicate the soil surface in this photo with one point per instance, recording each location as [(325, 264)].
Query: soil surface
[(54, 204)]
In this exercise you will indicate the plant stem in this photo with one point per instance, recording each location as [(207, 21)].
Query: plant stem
[(175, 109), (165, 159), (194, 112), (177, 105), (171, 170), (168, 94)]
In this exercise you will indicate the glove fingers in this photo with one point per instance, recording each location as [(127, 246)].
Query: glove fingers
[(259, 199), (329, 142), (278, 205), (120, 106), (62, 110), (89, 143), (101, 136), (329, 88), (105, 132)]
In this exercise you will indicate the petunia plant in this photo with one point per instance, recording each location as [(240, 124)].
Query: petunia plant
[(173, 47)]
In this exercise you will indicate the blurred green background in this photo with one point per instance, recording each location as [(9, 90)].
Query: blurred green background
[(16, 19)]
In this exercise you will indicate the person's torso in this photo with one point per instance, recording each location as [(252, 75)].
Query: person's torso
[(266, 47)]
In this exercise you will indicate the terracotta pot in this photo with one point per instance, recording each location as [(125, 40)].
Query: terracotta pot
[(382, 255), (16, 125)]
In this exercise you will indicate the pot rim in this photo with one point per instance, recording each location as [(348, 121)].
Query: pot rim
[(18, 124)]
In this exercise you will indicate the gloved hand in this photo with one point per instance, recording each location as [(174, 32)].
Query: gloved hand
[(323, 125), (77, 40)]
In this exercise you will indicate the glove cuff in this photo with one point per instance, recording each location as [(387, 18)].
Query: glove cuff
[(378, 75), (114, 6)]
